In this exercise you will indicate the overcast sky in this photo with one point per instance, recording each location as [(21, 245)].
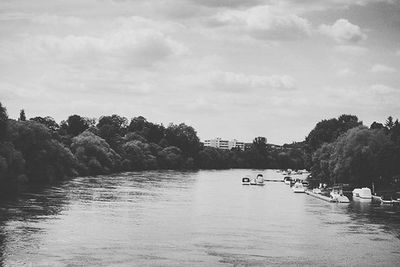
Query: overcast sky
[(229, 68)]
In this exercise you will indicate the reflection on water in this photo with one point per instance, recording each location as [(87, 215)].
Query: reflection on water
[(204, 218)]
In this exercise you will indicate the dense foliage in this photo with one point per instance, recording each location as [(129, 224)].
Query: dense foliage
[(41, 150), (343, 151), (338, 150)]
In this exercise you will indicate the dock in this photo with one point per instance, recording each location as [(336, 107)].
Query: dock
[(319, 196)]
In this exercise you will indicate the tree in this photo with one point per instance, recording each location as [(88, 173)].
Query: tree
[(347, 122), (137, 124), (171, 158), (12, 163), (45, 158), (118, 123), (376, 126), (112, 128), (75, 125), (389, 123), (358, 156), (94, 154), (22, 116), (47, 121), (327, 131), (321, 168), (183, 137), (260, 143), (152, 132), (139, 155), (3, 122)]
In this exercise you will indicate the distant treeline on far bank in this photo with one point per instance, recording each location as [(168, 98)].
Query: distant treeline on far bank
[(41, 150)]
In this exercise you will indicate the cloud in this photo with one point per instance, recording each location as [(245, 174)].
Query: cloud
[(345, 72), (264, 22), (379, 68), (43, 19), (353, 50), (136, 47), (381, 89), (343, 32), (242, 82), (227, 3)]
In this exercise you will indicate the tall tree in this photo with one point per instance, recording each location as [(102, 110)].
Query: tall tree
[(358, 156), (3, 122), (22, 116), (118, 123), (48, 121), (389, 123), (76, 124), (183, 137)]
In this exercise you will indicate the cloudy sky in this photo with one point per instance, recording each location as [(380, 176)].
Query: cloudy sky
[(229, 68)]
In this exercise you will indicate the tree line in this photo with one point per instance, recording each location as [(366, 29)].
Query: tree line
[(41, 150), (337, 150), (343, 150)]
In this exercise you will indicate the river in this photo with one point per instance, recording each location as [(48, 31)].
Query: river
[(202, 218)]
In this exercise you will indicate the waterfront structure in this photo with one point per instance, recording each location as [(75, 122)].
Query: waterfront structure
[(224, 144)]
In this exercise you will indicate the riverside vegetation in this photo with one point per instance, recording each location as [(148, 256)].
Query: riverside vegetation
[(41, 150)]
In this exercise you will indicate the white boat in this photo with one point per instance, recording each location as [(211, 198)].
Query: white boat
[(287, 180), (362, 194), (317, 191), (260, 179), (385, 199), (245, 181), (298, 188), (337, 196)]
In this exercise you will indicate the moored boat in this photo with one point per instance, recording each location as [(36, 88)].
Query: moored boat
[(287, 180), (260, 179), (245, 181), (337, 196), (362, 194), (298, 188), (385, 199)]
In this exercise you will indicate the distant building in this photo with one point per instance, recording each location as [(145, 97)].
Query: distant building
[(276, 147), (224, 144)]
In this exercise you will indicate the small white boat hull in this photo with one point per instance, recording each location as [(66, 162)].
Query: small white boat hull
[(298, 188), (362, 194), (339, 198)]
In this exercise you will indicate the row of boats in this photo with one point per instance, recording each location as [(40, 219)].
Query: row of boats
[(258, 180), (333, 194)]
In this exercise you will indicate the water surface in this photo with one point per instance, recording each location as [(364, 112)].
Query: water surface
[(204, 218)]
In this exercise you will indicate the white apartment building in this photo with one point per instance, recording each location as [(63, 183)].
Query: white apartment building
[(224, 144)]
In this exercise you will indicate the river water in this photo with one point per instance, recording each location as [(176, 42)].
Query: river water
[(203, 218)]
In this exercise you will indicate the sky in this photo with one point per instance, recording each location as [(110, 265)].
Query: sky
[(229, 68)]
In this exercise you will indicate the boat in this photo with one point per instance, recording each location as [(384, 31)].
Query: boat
[(362, 194), (337, 195), (317, 191), (260, 179), (245, 181), (287, 180), (298, 188), (385, 199)]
